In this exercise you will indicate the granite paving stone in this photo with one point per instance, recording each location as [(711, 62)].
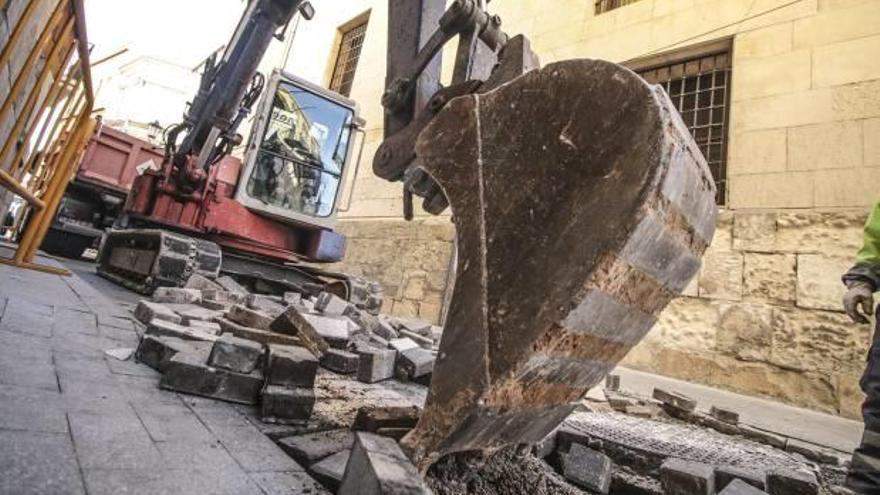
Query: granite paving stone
[(253, 450), (288, 483), (29, 318), (29, 409), (38, 463), (113, 441), (130, 367), (172, 422), (29, 374), (67, 319)]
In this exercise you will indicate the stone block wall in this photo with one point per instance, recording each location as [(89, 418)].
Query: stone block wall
[(764, 314), (410, 259)]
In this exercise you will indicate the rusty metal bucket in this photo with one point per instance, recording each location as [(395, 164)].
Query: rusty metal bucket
[(582, 207)]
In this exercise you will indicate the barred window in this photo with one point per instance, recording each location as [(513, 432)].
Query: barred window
[(697, 80), (347, 58), (603, 6)]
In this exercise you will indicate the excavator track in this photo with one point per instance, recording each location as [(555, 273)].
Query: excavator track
[(582, 206), (144, 259)]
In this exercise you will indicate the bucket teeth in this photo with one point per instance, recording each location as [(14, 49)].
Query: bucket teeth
[(582, 207)]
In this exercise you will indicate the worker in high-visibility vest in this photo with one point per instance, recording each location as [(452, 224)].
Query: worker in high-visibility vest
[(862, 280)]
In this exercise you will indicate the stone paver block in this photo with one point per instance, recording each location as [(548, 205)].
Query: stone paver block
[(230, 285), (675, 400), (420, 340), (176, 295), (372, 418), (156, 351), (330, 470), (812, 451), (384, 329), (787, 482), (217, 305), (310, 448), (270, 305), (290, 366), (162, 328), (726, 415), (287, 404), (235, 354), (415, 363), (377, 466), (740, 487), (188, 373), (725, 475), (293, 322), (336, 331), (254, 451), (587, 469), (207, 326), (331, 304), (291, 298), (38, 463), (249, 317), (198, 314), (762, 436), (288, 483), (172, 422), (262, 336), (201, 282), (375, 365), (147, 311), (402, 344), (680, 477), (340, 361), (113, 440)]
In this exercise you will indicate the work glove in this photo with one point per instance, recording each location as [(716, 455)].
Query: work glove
[(859, 295)]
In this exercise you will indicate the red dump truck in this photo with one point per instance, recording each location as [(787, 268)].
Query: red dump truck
[(96, 194)]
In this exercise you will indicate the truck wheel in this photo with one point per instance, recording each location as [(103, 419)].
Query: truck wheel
[(65, 244)]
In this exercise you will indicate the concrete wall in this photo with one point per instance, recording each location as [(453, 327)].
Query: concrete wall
[(803, 168)]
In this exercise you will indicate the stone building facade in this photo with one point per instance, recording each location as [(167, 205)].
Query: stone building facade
[(799, 165)]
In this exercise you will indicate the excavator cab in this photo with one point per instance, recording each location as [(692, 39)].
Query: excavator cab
[(301, 148)]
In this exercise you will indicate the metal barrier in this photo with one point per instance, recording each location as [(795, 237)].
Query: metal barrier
[(50, 103)]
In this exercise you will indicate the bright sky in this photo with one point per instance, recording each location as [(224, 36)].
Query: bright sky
[(179, 31)]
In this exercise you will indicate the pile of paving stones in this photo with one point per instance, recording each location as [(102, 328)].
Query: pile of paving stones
[(213, 338)]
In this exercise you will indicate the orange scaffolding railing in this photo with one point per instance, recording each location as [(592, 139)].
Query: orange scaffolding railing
[(48, 113)]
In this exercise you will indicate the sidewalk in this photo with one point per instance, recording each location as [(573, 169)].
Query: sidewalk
[(74, 420), (803, 424)]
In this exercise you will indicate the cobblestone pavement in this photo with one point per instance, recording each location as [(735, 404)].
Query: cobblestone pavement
[(75, 420)]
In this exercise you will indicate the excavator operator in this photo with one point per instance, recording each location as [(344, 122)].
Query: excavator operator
[(862, 280)]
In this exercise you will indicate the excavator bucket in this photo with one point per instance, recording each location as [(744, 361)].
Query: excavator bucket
[(582, 207)]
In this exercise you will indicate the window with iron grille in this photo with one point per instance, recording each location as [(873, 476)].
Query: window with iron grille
[(347, 58), (603, 6), (697, 80)]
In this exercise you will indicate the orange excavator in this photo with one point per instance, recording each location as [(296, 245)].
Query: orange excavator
[(581, 203)]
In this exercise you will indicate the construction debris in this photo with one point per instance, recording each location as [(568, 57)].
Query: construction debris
[(681, 477), (190, 374), (790, 482), (376, 465), (587, 469), (739, 487), (235, 354), (276, 368)]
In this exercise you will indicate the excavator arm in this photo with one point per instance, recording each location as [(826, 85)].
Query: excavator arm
[(227, 91)]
